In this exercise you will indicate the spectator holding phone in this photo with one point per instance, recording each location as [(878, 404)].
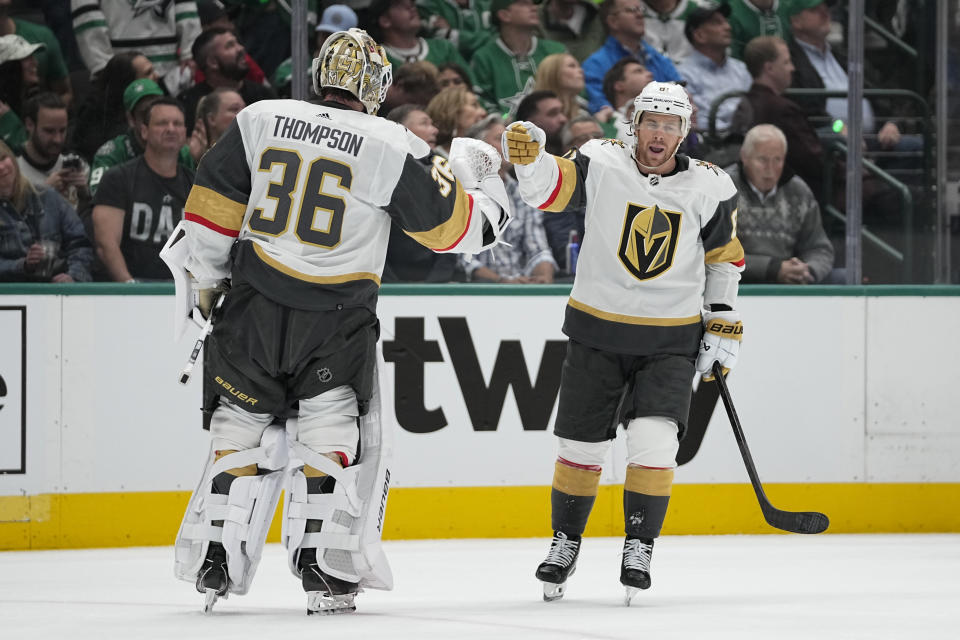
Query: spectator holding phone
[(42, 160)]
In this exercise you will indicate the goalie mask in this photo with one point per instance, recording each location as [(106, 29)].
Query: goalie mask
[(667, 98), (354, 62)]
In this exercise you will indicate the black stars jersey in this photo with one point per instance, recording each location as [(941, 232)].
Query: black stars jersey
[(651, 245)]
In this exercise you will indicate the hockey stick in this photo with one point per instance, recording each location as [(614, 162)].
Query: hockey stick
[(793, 521), (204, 332)]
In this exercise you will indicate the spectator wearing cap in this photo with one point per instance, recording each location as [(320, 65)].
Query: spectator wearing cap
[(51, 67), (664, 22), (336, 17), (574, 23), (623, 20), (505, 68), (465, 23), (708, 71), (753, 18), (223, 60), (136, 101), (18, 80), (395, 26), (164, 31)]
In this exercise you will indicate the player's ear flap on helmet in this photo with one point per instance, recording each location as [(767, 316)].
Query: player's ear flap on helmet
[(353, 62)]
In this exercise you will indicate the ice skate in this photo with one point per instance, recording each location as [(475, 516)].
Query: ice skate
[(560, 564), (326, 595), (635, 567), (212, 580)]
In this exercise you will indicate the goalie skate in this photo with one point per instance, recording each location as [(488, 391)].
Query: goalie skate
[(319, 603), (212, 579)]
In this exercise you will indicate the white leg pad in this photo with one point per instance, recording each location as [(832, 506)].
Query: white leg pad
[(652, 442), (349, 542), (246, 512), (583, 453), (233, 428), (328, 422)]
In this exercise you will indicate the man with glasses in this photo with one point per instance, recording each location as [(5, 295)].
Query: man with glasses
[(623, 20)]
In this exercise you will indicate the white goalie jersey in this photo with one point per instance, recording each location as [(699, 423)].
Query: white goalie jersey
[(308, 192), (652, 245)]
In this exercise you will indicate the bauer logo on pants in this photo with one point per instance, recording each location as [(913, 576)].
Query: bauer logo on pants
[(13, 389), (649, 240)]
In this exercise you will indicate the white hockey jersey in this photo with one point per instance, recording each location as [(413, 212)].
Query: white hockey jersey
[(651, 243), (156, 28), (308, 192)]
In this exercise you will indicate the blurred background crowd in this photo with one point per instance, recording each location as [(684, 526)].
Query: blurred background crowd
[(107, 106)]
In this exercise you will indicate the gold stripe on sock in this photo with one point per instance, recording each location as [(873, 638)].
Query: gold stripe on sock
[(249, 470), (652, 482), (312, 472), (575, 482)]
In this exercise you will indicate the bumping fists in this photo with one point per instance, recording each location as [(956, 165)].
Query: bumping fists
[(523, 142)]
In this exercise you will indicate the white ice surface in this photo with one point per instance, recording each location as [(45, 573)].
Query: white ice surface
[(781, 587)]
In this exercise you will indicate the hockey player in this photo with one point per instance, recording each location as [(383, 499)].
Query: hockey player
[(656, 280), (293, 207)]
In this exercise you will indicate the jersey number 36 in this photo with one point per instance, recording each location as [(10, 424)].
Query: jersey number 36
[(313, 198)]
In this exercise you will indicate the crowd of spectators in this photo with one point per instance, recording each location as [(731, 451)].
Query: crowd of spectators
[(99, 161)]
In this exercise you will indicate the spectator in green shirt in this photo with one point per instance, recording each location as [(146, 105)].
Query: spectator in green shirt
[(504, 69), (395, 24), (465, 23)]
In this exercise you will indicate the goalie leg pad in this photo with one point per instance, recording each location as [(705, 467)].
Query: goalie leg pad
[(233, 428), (246, 511), (349, 541), (652, 442), (327, 423)]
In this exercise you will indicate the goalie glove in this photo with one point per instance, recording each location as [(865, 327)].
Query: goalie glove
[(206, 297), (523, 142), (722, 332)]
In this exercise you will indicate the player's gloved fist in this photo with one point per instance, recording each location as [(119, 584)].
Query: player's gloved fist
[(522, 142), (722, 332)]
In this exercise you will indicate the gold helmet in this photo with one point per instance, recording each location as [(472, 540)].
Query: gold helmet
[(353, 61)]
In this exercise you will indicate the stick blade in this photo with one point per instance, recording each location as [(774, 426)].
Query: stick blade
[(797, 521)]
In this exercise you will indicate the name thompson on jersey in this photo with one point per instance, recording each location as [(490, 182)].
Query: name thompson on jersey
[(308, 192), (296, 129)]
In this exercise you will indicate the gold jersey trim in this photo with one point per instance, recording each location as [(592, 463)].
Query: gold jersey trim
[(625, 319), (566, 184), (730, 252), (293, 273), (448, 234), (217, 208)]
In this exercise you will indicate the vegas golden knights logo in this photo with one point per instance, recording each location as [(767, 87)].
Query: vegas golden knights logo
[(649, 240)]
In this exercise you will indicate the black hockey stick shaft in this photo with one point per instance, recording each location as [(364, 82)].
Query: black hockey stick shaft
[(793, 521)]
